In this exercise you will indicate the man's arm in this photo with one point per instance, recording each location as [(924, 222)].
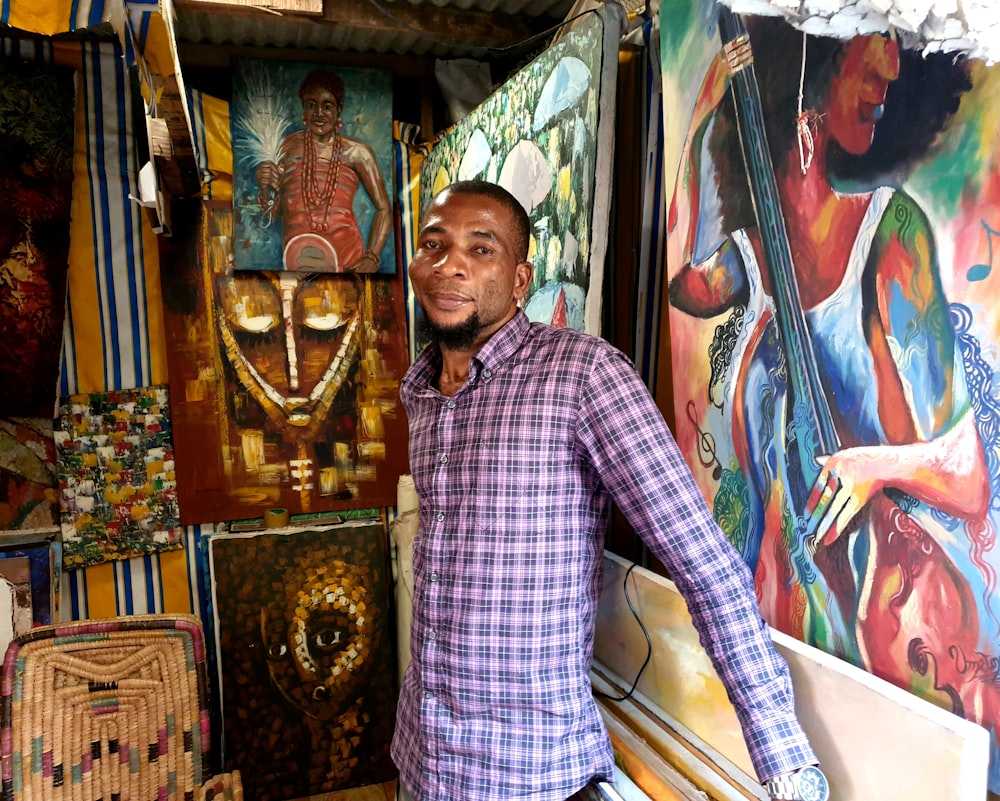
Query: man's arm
[(633, 452)]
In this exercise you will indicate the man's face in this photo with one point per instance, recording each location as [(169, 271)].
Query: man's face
[(320, 111), (466, 273)]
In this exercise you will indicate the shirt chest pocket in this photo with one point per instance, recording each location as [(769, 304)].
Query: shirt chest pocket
[(527, 471)]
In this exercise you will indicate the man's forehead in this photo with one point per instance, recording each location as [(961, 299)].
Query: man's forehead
[(461, 212)]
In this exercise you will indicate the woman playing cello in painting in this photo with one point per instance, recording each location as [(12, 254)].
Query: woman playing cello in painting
[(845, 541)]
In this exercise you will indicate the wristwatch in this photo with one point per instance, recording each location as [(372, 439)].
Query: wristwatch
[(807, 784)]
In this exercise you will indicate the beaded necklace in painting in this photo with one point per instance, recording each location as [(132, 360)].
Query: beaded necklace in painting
[(318, 199)]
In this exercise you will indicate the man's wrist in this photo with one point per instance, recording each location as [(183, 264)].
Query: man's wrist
[(805, 784)]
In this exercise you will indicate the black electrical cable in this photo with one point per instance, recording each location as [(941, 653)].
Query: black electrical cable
[(649, 644)]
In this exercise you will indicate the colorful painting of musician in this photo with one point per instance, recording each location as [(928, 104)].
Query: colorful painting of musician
[(305, 139), (829, 308)]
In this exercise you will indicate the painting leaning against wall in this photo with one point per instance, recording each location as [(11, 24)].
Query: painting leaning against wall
[(306, 663), (545, 135), (838, 358)]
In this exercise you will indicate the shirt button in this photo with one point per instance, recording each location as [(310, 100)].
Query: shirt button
[(452, 404), (440, 516), (428, 694), (444, 458), (432, 635), (487, 374), (434, 577)]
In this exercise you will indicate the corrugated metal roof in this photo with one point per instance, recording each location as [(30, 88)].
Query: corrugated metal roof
[(399, 35)]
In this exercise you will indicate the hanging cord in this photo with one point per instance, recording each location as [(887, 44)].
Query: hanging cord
[(649, 644), (805, 119)]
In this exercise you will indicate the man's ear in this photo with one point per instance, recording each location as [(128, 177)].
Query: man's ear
[(522, 280)]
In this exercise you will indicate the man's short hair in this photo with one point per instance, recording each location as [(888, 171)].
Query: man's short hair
[(324, 79), (519, 217)]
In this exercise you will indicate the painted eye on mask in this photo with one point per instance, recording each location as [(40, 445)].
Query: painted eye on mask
[(326, 305), (251, 305)]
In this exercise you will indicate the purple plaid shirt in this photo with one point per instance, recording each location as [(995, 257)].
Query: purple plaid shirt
[(516, 473)]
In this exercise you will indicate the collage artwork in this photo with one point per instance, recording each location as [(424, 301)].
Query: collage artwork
[(839, 403)]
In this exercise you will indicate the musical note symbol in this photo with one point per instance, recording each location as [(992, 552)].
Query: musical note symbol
[(977, 272), (706, 444)]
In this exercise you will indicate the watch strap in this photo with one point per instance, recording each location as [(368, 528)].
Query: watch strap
[(783, 788)]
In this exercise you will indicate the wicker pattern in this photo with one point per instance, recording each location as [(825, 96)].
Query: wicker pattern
[(224, 787), (115, 710)]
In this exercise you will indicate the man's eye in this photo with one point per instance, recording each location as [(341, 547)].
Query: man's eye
[(484, 251)]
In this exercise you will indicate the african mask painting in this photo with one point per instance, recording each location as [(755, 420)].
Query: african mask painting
[(546, 136), (312, 178), (306, 665), (830, 268), (284, 386), (36, 182)]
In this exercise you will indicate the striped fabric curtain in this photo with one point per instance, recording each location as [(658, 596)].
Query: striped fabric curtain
[(113, 337), (53, 16)]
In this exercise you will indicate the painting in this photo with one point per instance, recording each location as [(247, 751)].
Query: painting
[(36, 178), (304, 650), (284, 385), (312, 168), (833, 328), (29, 485), (117, 483), (546, 135), (29, 581)]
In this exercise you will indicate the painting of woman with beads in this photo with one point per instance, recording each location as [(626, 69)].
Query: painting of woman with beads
[(306, 139)]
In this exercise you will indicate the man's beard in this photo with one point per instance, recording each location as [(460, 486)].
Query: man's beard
[(460, 336)]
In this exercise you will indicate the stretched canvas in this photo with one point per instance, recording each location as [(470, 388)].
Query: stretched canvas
[(833, 319), (285, 386), (118, 487), (547, 136), (36, 180), (29, 485), (304, 651), (312, 167)]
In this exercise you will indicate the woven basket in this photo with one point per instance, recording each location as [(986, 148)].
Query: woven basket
[(108, 709)]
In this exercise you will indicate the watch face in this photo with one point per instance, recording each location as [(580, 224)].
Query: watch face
[(812, 784)]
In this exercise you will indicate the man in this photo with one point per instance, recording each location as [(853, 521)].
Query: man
[(521, 435)]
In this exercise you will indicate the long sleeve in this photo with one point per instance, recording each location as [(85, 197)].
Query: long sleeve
[(635, 455)]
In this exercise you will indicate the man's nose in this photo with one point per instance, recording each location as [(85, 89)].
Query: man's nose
[(450, 262)]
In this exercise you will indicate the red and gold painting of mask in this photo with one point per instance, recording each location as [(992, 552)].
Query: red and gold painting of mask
[(284, 385)]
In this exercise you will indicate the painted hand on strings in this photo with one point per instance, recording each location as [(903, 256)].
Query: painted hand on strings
[(847, 481)]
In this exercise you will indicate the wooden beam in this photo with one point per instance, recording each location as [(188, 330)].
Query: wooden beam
[(304, 7)]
